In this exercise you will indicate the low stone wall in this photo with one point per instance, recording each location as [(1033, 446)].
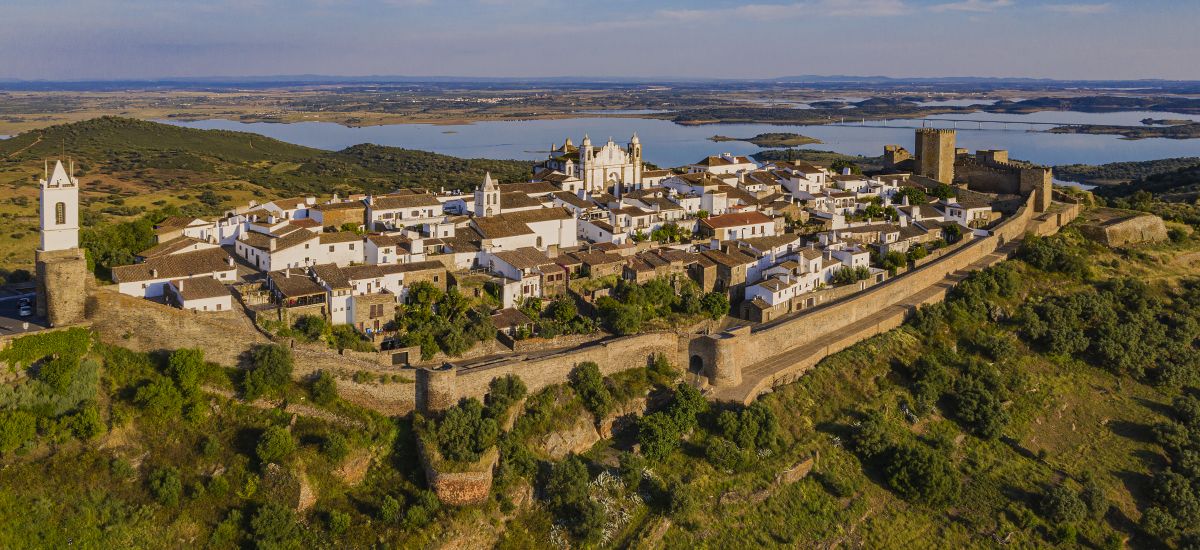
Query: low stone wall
[(1125, 228), (459, 488)]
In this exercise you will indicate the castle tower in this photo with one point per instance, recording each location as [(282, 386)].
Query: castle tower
[(61, 265), (487, 197), (935, 154)]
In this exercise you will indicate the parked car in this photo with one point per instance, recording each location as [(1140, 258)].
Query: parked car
[(25, 310)]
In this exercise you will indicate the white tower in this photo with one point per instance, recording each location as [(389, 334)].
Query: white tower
[(59, 199), (487, 197)]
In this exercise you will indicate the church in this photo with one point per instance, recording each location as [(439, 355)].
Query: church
[(61, 266), (607, 169)]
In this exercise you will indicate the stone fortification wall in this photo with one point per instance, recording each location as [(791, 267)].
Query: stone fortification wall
[(62, 283), (459, 488), (142, 325), (1007, 178)]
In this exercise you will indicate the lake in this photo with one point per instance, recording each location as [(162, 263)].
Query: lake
[(668, 144)]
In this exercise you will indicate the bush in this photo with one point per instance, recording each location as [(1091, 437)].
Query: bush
[(917, 472), (17, 428), (464, 433), (389, 509), (752, 428), (160, 398), (311, 328), (274, 527), (1061, 506), (631, 468), (166, 486), (339, 522), (271, 371), (724, 454), (715, 305), (502, 393), (658, 435), (186, 367), (589, 384), (324, 389), (335, 446), (567, 496), (275, 444)]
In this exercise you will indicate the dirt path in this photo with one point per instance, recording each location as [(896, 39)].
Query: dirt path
[(25, 148)]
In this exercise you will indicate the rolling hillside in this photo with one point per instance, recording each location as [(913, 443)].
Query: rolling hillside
[(132, 167)]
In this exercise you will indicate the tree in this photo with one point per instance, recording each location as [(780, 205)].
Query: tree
[(952, 233), (463, 433), (186, 367), (686, 405), (586, 380), (311, 327), (389, 509), (979, 408), (324, 388), (873, 435), (840, 165), (274, 527), (566, 489), (658, 435), (16, 429), (160, 398), (915, 196), (631, 468), (1062, 506), (562, 309), (275, 444), (166, 486), (919, 473), (715, 304), (271, 372), (502, 393)]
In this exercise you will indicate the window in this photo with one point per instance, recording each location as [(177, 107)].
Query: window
[(60, 213), (331, 248), (351, 246)]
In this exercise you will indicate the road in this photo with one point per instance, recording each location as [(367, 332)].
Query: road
[(11, 321)]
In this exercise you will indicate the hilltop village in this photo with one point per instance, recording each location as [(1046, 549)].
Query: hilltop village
[(771, 238)]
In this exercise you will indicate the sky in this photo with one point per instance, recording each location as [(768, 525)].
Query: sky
[(143, 39)]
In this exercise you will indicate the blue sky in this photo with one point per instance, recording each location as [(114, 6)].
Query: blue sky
[(103, 39)]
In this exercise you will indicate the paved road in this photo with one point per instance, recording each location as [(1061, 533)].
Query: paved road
[(11, 321)]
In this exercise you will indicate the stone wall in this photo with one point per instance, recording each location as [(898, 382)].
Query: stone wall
[(459, 488), (62, 286)]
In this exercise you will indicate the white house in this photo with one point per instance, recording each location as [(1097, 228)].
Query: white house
[(150, 278), (199, 294)]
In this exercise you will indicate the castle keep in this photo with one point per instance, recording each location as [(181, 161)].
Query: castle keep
[(61, 266)]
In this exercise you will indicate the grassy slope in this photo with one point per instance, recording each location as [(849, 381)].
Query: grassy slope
[(129, 166)]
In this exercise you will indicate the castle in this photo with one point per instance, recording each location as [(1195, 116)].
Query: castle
[(988, 171), (61, 265)]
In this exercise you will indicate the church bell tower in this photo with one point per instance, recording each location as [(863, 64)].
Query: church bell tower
[(62, 278)]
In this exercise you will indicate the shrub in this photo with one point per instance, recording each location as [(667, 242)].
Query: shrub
[(589, 384), (979, 408), (271, 372), (275, 444), (335, 446), (166, 486), (274, 527), (631, 468), (686, 405), (339, 522), (311, 327), (389, 509), (463, 433), (502, 393), (754, 427), (1061, 506), (715, 305), (160, 398), (873, 435), (17, 428), (324, 389), (186, 367), (658, 435), (567, 496), (917, 472), (86, 422), (724, 454)]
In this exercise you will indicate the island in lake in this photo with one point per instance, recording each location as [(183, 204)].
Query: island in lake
[(1188, 130), (772, 139)]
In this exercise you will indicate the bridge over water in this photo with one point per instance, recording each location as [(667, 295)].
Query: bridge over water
[(963, 124)]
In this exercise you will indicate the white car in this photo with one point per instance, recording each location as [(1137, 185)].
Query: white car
[(25, 307)]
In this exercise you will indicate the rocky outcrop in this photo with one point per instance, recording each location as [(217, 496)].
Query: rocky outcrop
[(623, 416), (289, 487), (353, 469), (580, 436)]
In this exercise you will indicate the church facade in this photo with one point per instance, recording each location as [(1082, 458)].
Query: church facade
[(61, 265), (608, 168)]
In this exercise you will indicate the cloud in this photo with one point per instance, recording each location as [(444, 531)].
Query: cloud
[(815, 8), (1078, 9), (974, 6)]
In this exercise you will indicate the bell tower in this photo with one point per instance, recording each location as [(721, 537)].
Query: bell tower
[(62, 277), (635, 157), (487, 197), (59, 200)]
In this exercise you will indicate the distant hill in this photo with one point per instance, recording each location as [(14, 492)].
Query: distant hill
[(1115, 173), (1182, 184), (165, 156)]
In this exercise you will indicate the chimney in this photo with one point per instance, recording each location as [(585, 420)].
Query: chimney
[(153, 273), (846, 171), (229, 260), (179, 286), (271, 245), (287, 273)]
